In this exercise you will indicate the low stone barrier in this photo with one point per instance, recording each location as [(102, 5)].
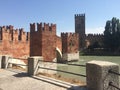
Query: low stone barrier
[(70, 56), (5, 60), (98, 76), (0, 62), (35, 62), (47, 65)]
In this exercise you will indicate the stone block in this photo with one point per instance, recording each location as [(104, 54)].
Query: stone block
[(70, 56), (98, 76), (33, 63), (5, 61), (48, 65)]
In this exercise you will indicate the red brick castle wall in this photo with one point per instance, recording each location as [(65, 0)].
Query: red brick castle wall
[(43, 40), (14, 42), (70, 42)]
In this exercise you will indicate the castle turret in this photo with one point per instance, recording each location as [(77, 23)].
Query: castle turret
[(70, 46), (43, 40)]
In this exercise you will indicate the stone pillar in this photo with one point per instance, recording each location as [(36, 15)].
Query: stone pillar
[(0, 62), (98, 76), (5, 61), (33, 63)]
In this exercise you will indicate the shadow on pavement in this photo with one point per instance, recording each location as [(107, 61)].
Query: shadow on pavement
[(18, 73), (59, 83), (77, 88), (21, 75)]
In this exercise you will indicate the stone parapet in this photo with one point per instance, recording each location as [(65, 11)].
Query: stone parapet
[(33, 64), (48, 65), (0, 62), (98, 76), (70, 56)]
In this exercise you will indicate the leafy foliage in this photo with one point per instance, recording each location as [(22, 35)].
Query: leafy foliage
[(112, 35)]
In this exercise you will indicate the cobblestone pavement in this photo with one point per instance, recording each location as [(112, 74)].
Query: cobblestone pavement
[(16, 80)]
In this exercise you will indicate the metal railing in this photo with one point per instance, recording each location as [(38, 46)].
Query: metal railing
[(111, 83)]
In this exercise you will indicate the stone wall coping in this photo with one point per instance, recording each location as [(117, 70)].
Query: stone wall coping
[(102, 63), (37, 57)]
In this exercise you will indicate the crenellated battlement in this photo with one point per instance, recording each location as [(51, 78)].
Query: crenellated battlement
[(43, 40), (28, 36), (70, 42), (77, 15), (9, 33), (4, 29), (94, 35), (14, 42), (92, 38), (22, 31), (7, 27), (69, 34), (43, 27), (10, 27), (16, 31), (22, 35)]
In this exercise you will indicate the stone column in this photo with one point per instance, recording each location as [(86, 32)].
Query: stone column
[(98, 76), (0, 62), (5, 61), (33, 63)]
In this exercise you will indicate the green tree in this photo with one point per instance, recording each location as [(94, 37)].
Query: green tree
[(112, 34)]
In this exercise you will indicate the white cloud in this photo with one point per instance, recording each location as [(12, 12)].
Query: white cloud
[(97, 30)]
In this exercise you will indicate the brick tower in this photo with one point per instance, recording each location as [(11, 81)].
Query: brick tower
[(70, 46), (80, 29), (43, 41)]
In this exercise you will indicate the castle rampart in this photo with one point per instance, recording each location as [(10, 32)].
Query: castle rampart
[(69, 42), (14, 41), (43, 40), (92, 38), (70, 46), (43, 27), (9, 33)]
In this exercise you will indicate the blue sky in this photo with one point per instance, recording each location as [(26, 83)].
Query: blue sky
[(20, 13)]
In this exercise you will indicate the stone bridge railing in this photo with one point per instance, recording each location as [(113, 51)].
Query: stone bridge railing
[(100, 75)]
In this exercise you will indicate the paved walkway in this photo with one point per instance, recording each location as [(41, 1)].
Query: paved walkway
[(17, 80)]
